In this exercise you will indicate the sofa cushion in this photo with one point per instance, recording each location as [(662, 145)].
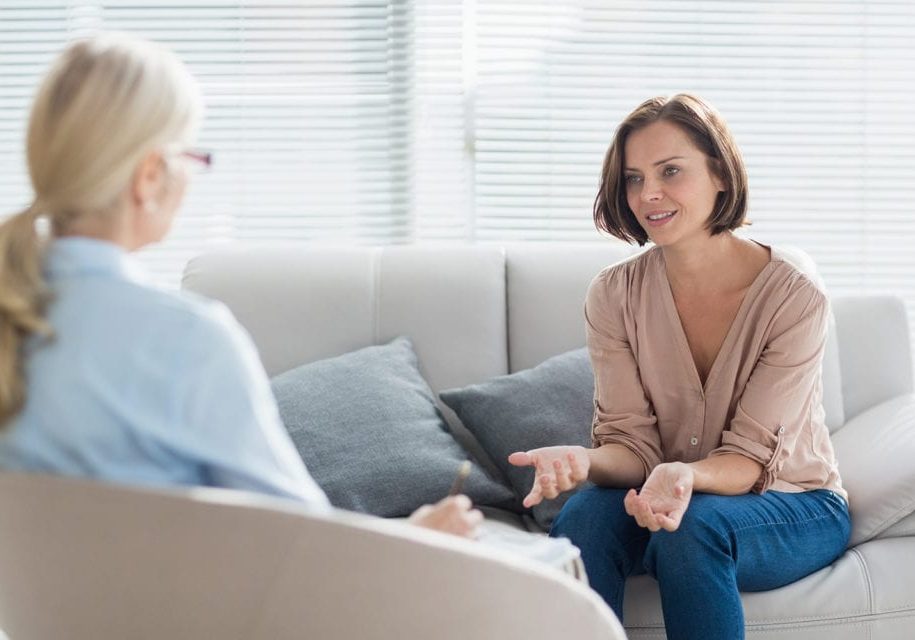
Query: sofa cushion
[(875, 450), (551, 404), (368, 429)]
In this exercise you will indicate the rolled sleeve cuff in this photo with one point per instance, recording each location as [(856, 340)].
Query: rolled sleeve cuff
[(768, 456)]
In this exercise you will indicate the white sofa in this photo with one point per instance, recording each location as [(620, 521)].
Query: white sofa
[(475, 312)]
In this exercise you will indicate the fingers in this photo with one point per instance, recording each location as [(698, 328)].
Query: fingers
[(578, 473), (420, 513), (537, 461), (545, 482), (453, 514), (548, 486), (563, 475), (545, 486), (631, 506), (638, 508), (459, 502), (668, 523), (556, 469), (459, 517), (645, 516), (520, 459), (533, 498), (465, 523), (629, 502)]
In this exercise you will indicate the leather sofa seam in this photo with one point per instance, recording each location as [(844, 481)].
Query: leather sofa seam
[(862, 563), (840, 618), (376, 285), (852, 617), (888, 522), (510, 367)]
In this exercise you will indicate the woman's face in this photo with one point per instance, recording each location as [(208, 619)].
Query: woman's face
[(669, 186)]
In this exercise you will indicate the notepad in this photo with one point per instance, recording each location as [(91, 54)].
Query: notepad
[(558, 553)]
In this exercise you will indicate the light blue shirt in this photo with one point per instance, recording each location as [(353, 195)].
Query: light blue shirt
[(147, 387)]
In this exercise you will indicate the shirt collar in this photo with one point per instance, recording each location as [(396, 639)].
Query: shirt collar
[(77, 256)]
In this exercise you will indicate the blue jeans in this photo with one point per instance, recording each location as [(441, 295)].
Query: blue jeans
[(725, 544)]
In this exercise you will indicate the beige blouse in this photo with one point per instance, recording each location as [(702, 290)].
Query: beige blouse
[(762, 397)]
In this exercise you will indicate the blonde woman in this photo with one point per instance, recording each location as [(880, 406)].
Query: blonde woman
[(101, 374)]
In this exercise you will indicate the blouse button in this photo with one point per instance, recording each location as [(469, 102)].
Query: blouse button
[(781, 429), (694, 441)]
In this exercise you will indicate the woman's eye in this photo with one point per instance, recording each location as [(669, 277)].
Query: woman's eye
[(633, 179), (671, 171)]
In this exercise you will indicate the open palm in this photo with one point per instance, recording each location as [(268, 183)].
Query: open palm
[(558, 469), (664, 497)]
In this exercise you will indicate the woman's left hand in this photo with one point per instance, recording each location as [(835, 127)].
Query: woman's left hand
[(664, 497)]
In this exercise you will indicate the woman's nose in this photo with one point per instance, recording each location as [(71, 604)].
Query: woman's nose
[(651, 191)]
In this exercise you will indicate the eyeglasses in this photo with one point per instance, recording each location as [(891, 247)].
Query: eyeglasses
[(202, 160)]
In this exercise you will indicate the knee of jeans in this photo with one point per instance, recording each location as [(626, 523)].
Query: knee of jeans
[(574, 517), (691, 543)]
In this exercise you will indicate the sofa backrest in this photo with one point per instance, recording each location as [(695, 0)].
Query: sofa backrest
[(875, 354), (301, 305), (546, 296), (475, 312)]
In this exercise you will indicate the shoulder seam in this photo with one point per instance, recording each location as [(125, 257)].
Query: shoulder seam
[(801, 272), (624, 263)]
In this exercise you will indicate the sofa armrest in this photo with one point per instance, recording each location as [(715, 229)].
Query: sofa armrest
[(875, 451)]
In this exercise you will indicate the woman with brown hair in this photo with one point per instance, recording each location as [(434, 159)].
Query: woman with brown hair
[(713, 464)]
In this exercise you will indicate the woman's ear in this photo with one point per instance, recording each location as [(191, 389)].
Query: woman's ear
[(148, 180)]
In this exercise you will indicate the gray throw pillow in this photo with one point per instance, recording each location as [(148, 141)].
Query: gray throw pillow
[(551, 404), (368, 429)]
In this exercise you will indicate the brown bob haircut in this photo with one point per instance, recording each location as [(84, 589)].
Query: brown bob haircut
[(708, 131)]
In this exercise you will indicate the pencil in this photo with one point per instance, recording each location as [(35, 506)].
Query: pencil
[(462, 474)]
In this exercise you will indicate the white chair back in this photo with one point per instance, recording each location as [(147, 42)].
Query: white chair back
[(82, 560)]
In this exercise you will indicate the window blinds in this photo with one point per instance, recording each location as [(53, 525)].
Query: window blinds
[(307, 113), (818, 95), (383, 121)]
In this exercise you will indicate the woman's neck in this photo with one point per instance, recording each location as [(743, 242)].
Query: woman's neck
[(708, 263), (114, 229)]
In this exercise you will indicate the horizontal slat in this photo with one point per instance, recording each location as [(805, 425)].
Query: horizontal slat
[(384, 122)]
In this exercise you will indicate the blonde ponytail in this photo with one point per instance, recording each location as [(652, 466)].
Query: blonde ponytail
[(23, 299), (105, 103)]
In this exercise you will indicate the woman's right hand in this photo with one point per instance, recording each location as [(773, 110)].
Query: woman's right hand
[(454, 515), (557, 469)]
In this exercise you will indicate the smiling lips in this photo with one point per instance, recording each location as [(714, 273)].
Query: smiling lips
[(657, 218)]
